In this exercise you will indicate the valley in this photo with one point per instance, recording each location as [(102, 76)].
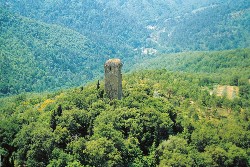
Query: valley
[(185, 97), (65, 43)]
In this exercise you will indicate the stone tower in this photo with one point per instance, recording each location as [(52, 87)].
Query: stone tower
[(113, 78)]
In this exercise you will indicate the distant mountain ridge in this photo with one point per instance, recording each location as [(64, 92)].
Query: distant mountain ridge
[(107, 26), (168, 26), (178, 25)]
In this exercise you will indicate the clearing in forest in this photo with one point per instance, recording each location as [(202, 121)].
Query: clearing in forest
[(230, 92)]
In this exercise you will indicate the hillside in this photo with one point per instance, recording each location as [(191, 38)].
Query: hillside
[(36, 56), (164, 118), (229, 62), (106, 26), (49, 45), (152, 11), (225, 71), (185, 83), (218, 25), (177, 25), (165, 25)]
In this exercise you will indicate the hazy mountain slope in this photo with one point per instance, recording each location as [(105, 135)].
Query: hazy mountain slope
[(216, 27), (222, 65), (106, 26), (80, 35), (36, 56), (154, 11), (168, 26), (178, 25), (201, 62)]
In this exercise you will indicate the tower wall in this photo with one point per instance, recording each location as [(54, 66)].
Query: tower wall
[(113, 79)]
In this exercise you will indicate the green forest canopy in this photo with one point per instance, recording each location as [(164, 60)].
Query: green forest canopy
[(168, 117), (50, 45), (165, 118)]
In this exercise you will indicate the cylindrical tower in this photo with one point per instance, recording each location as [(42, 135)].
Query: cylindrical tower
[(113, 78)]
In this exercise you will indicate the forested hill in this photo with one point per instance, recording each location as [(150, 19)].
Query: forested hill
[(190, 108), (36, 56), (219, 62), (165, 25), (231, 67), (163, 119), (106, 26), (47, 45), (181, 25), (219, 25)]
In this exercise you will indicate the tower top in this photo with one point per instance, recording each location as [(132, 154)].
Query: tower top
[(113, 62)]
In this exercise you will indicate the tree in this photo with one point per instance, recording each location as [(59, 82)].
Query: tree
[(174, 152), (35, 143), (98, 85), (59, 110), (102, 152), (204, 136), (53, 120)]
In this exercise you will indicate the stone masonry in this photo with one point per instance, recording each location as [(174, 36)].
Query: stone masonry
[(113, 79)]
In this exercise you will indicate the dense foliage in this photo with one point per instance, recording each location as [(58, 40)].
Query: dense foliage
[(35, 56), (222, 64), (195, 113), (220, 67), (164, 118), (49, 45), (106, 26), (219, 25), (178, 25), (168, 25)]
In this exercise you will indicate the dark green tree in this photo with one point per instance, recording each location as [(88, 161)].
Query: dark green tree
[(59, 110), (53, 120), (98, 85)]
